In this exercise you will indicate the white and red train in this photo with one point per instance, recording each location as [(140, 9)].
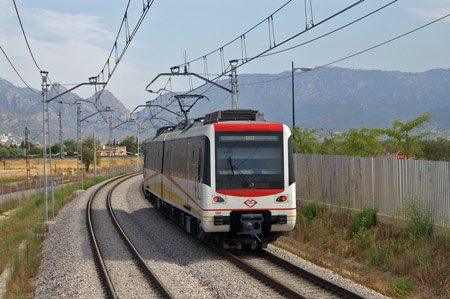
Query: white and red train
[(227, 177)]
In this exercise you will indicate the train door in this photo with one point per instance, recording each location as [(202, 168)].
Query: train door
[(198, 175)]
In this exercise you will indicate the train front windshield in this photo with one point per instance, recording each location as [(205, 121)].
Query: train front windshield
[(249, 160)]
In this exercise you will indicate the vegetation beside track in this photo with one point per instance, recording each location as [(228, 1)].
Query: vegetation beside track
[(398, 260), (26, 225)]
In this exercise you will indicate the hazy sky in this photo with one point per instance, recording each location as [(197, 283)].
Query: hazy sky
[(72, 39)]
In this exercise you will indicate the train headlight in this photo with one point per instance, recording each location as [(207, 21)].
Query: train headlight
[(218, 199), (281, 198)]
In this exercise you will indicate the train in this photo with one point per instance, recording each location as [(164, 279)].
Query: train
[(227, 177)]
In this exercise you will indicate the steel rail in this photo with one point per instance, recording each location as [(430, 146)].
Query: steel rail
[(103, 272), (133, 250), (254, 271), (329, 285)]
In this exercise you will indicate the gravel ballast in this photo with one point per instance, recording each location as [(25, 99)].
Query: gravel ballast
[(188, 268), (67, 269)]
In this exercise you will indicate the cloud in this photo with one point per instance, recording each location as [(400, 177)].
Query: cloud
[(69, 27), (433, 10)]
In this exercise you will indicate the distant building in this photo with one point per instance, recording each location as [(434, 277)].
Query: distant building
[(106, 151)]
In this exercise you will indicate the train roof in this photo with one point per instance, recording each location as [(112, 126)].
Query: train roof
[(200, 124)]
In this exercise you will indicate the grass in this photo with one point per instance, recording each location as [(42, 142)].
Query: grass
[(64, 165), (26, 225), (399, 262)]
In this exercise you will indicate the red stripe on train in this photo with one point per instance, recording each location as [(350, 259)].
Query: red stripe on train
[(250, 193), (248, 127)]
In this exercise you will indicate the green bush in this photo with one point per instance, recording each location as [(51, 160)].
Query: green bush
[(313, 209), (362, 237), (403, 287), (419, 215), (370, 216)]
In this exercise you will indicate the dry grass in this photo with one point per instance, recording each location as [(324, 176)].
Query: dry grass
[(390, 260), (26, 225), (17, 168)]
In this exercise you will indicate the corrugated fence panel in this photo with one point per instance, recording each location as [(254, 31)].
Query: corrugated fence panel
[(385, 184)]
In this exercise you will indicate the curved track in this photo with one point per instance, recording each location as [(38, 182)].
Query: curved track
[(153, 280)]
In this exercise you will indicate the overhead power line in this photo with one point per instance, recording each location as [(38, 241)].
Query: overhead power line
[(356, 53), (115, 57), (25, 36), (245, 59), (15, 70)]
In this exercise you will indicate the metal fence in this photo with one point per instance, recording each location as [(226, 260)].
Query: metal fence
[(390, 186)]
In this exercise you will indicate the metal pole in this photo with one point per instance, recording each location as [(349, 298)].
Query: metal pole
[(78, 143), (81, 162), (44, 139), (110, 145), (61, 152), (234, 85), (138, 144), (53, 199), (95, 155), (293, 97)]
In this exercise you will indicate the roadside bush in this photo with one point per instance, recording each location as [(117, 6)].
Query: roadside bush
[(403, 286), (362, 237), (313, 209), (370, 216), (419, 215)]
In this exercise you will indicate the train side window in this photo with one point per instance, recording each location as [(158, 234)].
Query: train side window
[(199, 166), (206, 162), (291, 162)]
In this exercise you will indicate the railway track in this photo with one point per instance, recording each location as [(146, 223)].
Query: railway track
[(289, 279), (99, 247)]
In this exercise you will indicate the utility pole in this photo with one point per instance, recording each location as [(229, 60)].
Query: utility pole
[(110, 145), (61, 151), (138, 127), (27, 153), (78, 143), (294, 69), (234, 85), (95, 154), (46, 153)]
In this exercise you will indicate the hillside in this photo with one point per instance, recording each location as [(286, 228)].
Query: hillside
[(21, 107), (334, 99)]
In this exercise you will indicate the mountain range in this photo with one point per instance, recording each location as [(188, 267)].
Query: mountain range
[(22, 107), (335, 99)]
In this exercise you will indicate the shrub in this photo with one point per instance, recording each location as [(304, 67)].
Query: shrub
[(312, 209), (403, 286), (419, 215), (362, 236), (370, 216)]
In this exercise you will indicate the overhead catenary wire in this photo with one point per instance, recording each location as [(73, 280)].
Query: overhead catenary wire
[(330, 32), (356, 53), (25, 36), (115, 51), (270, 48), (15, 70)]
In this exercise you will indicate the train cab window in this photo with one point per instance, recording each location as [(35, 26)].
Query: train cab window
[(249, 160)]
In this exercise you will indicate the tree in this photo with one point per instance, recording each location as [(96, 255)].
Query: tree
[(362, 142), (305, 141), (70, 146), (55, 148), (435, 150), (401, 133), (131, 143), (88, 152), (35, 151)]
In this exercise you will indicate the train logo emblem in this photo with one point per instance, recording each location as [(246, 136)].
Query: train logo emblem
[(250, 203)]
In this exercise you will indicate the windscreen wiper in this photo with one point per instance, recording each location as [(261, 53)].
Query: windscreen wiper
[(241, 175)]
